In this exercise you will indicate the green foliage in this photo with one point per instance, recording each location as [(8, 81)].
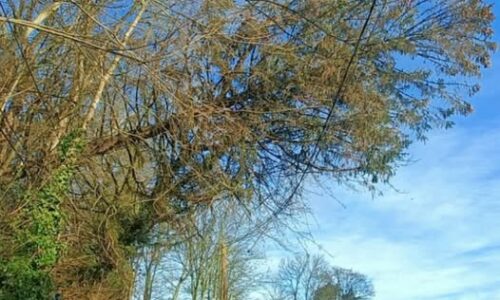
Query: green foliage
[(20, 280), (27, 275), (327, 292), (71, 145)]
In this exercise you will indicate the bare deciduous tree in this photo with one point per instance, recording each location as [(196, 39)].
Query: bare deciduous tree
[(306, 277), (218, 255)]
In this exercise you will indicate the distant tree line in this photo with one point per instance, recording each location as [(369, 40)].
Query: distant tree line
[(306, 277)]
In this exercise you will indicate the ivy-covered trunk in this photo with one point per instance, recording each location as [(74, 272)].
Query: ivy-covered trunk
[(41, 222)]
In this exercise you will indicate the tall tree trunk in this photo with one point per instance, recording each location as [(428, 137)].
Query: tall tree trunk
[(224, 286)]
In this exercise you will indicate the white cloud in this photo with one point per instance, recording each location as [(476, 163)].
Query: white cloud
[(437, 240)]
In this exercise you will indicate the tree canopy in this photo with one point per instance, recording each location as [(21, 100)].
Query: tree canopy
[(118, 116)]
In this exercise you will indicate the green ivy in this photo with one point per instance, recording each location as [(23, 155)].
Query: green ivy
[(27, 276), (19, 280)]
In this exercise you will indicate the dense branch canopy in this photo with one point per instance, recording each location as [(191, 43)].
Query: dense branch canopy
[(177, 104)]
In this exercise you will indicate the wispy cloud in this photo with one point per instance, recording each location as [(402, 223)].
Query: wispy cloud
[(439, 237)]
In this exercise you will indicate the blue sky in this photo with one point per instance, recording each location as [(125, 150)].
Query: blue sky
[(438, 237)]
